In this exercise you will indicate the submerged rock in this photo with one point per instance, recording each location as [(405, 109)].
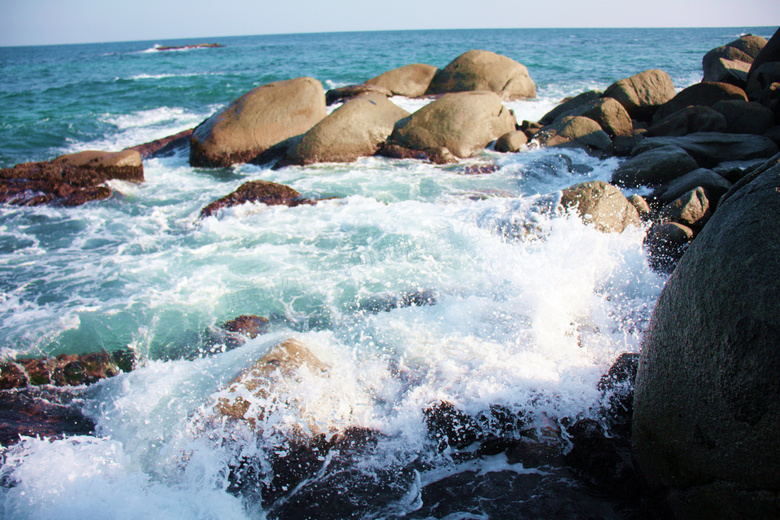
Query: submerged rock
[(65, 369), (338, 95), (265, 192), (484, 70)]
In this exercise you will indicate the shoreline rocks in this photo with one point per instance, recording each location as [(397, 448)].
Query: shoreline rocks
[(265, 192)]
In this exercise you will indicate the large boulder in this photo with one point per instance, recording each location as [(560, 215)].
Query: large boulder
[(69, 180), (607, 112), (734, 72), (463, 123), (642, 93), (567, 106), (264, 192), (410, 80), (731, 62), (714, 184), (602, 205), (358, 128), (707, 398), (512, 141), (654, 167), (712, 148), (484, 70), (745, 117), (575, 132), (769, 53), (689, 120), (256, 121), (700, 94)]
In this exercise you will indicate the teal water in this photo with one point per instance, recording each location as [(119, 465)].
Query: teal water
[(531, 307)]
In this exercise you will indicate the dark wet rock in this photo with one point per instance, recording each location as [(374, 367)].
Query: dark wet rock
[(233, 333), (264, 192), (338, 95), (622, 145), (248, 325), (575, 132), (165, 147), (530, 129), (511, 141), (257, 121), (770, 53), (606, 111), (410, 80), (764, 76), (654, 167), (480, 169), (691, 209), (69, 180), (65, 369), (641, 205), (665, 244), (733, 171), (709, 149), (714, 184), (436, 155), (745, 117), (734, 72), (730, 63), (192, 46), (388, 302), (707, 397), (41, 412), (617, 390), (750, 175), (451, 427), (773, 134), (602, 205), (643, 93), (691, 119), (770, 97), (464, 123), (569, 105), (484, 70), (699, 94), (356, 129)]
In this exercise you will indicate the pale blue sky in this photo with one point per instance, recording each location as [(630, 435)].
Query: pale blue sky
[(34, 22)]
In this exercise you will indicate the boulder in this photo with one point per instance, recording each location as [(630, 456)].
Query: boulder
[(568, 105), (689, 120), (691, 209), (770, 98), (257, 121), (575, 132), (707, 397), (410, 80), (484, 70), (265, 192), (338, 95), (511, 141), (642, 93), (602, 205), (770, 53), (641, 205), (665, 244), (654, 167), (711, 148), (607, 112), (714, 184), (728, 71), (763, 76), (165, 147), (745, 117), (463, 123), (65, 369), (743, 50), (248, 325), (69, 180), (700, 94), (358, 128)]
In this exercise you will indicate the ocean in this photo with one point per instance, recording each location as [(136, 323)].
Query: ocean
[(524, 309)]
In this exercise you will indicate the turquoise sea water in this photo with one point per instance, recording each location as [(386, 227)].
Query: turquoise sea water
[(525, 319)]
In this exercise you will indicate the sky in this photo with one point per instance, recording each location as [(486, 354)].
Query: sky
[(44, 22)]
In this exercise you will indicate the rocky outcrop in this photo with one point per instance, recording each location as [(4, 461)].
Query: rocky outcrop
[(569, 105), (69, 180), (730, 63), (260, 119), (745, 117), (769, 54), (165, 147), (484, 70), (699, 94), (337, 95), (689, 120), (462, 124), (356, 129), (707, 399), (654, 167), (184, 47), (602, 205), (642, 93), (410, 80), (709, 149), (64, 370), (575, 132), (716, 185), (264, 192)]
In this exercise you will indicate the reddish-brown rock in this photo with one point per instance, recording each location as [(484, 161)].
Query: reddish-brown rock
[(268, 193)]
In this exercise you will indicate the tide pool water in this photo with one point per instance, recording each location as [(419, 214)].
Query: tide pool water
[(526, 307)]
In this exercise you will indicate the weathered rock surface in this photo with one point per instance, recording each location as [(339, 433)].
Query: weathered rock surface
[(707, 398), (714, 184), (511, 141), (575, 132), (356, 129), (337, 95), (642, 93), (463, 123), (745, 117), (41, 412), (699, 94), (712, 148), (602, 205), (69, 180), (265, 192), (654, 166), (257, 121), (691, 209), (689, 120), (484, 70), (731, 62), (569, 105), (723, 70), (410, 80)]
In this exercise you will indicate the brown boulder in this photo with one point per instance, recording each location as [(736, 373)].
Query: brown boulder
[(248, 325), (257, 121), (700, 94), (410, 80), (738, 55), (511, 141), (692, 209), (265, 192), (463, 123), (356, 129), (602, 205), (567, 106), (689, 120), (337, 95), (575, 132), (484, 70), (642, 93)]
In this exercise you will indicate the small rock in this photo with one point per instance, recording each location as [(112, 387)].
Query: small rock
[(665, 244), (511, 142), (602, 205), (265, 192)]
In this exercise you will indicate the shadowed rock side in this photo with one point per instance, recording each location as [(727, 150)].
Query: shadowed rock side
[(268, 193), (484, 70), (166, 146), (462, 123), (257, 121), (731, 63), (356, 129), (69, 180), (338, 95), (410, 80), (707, 402)]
